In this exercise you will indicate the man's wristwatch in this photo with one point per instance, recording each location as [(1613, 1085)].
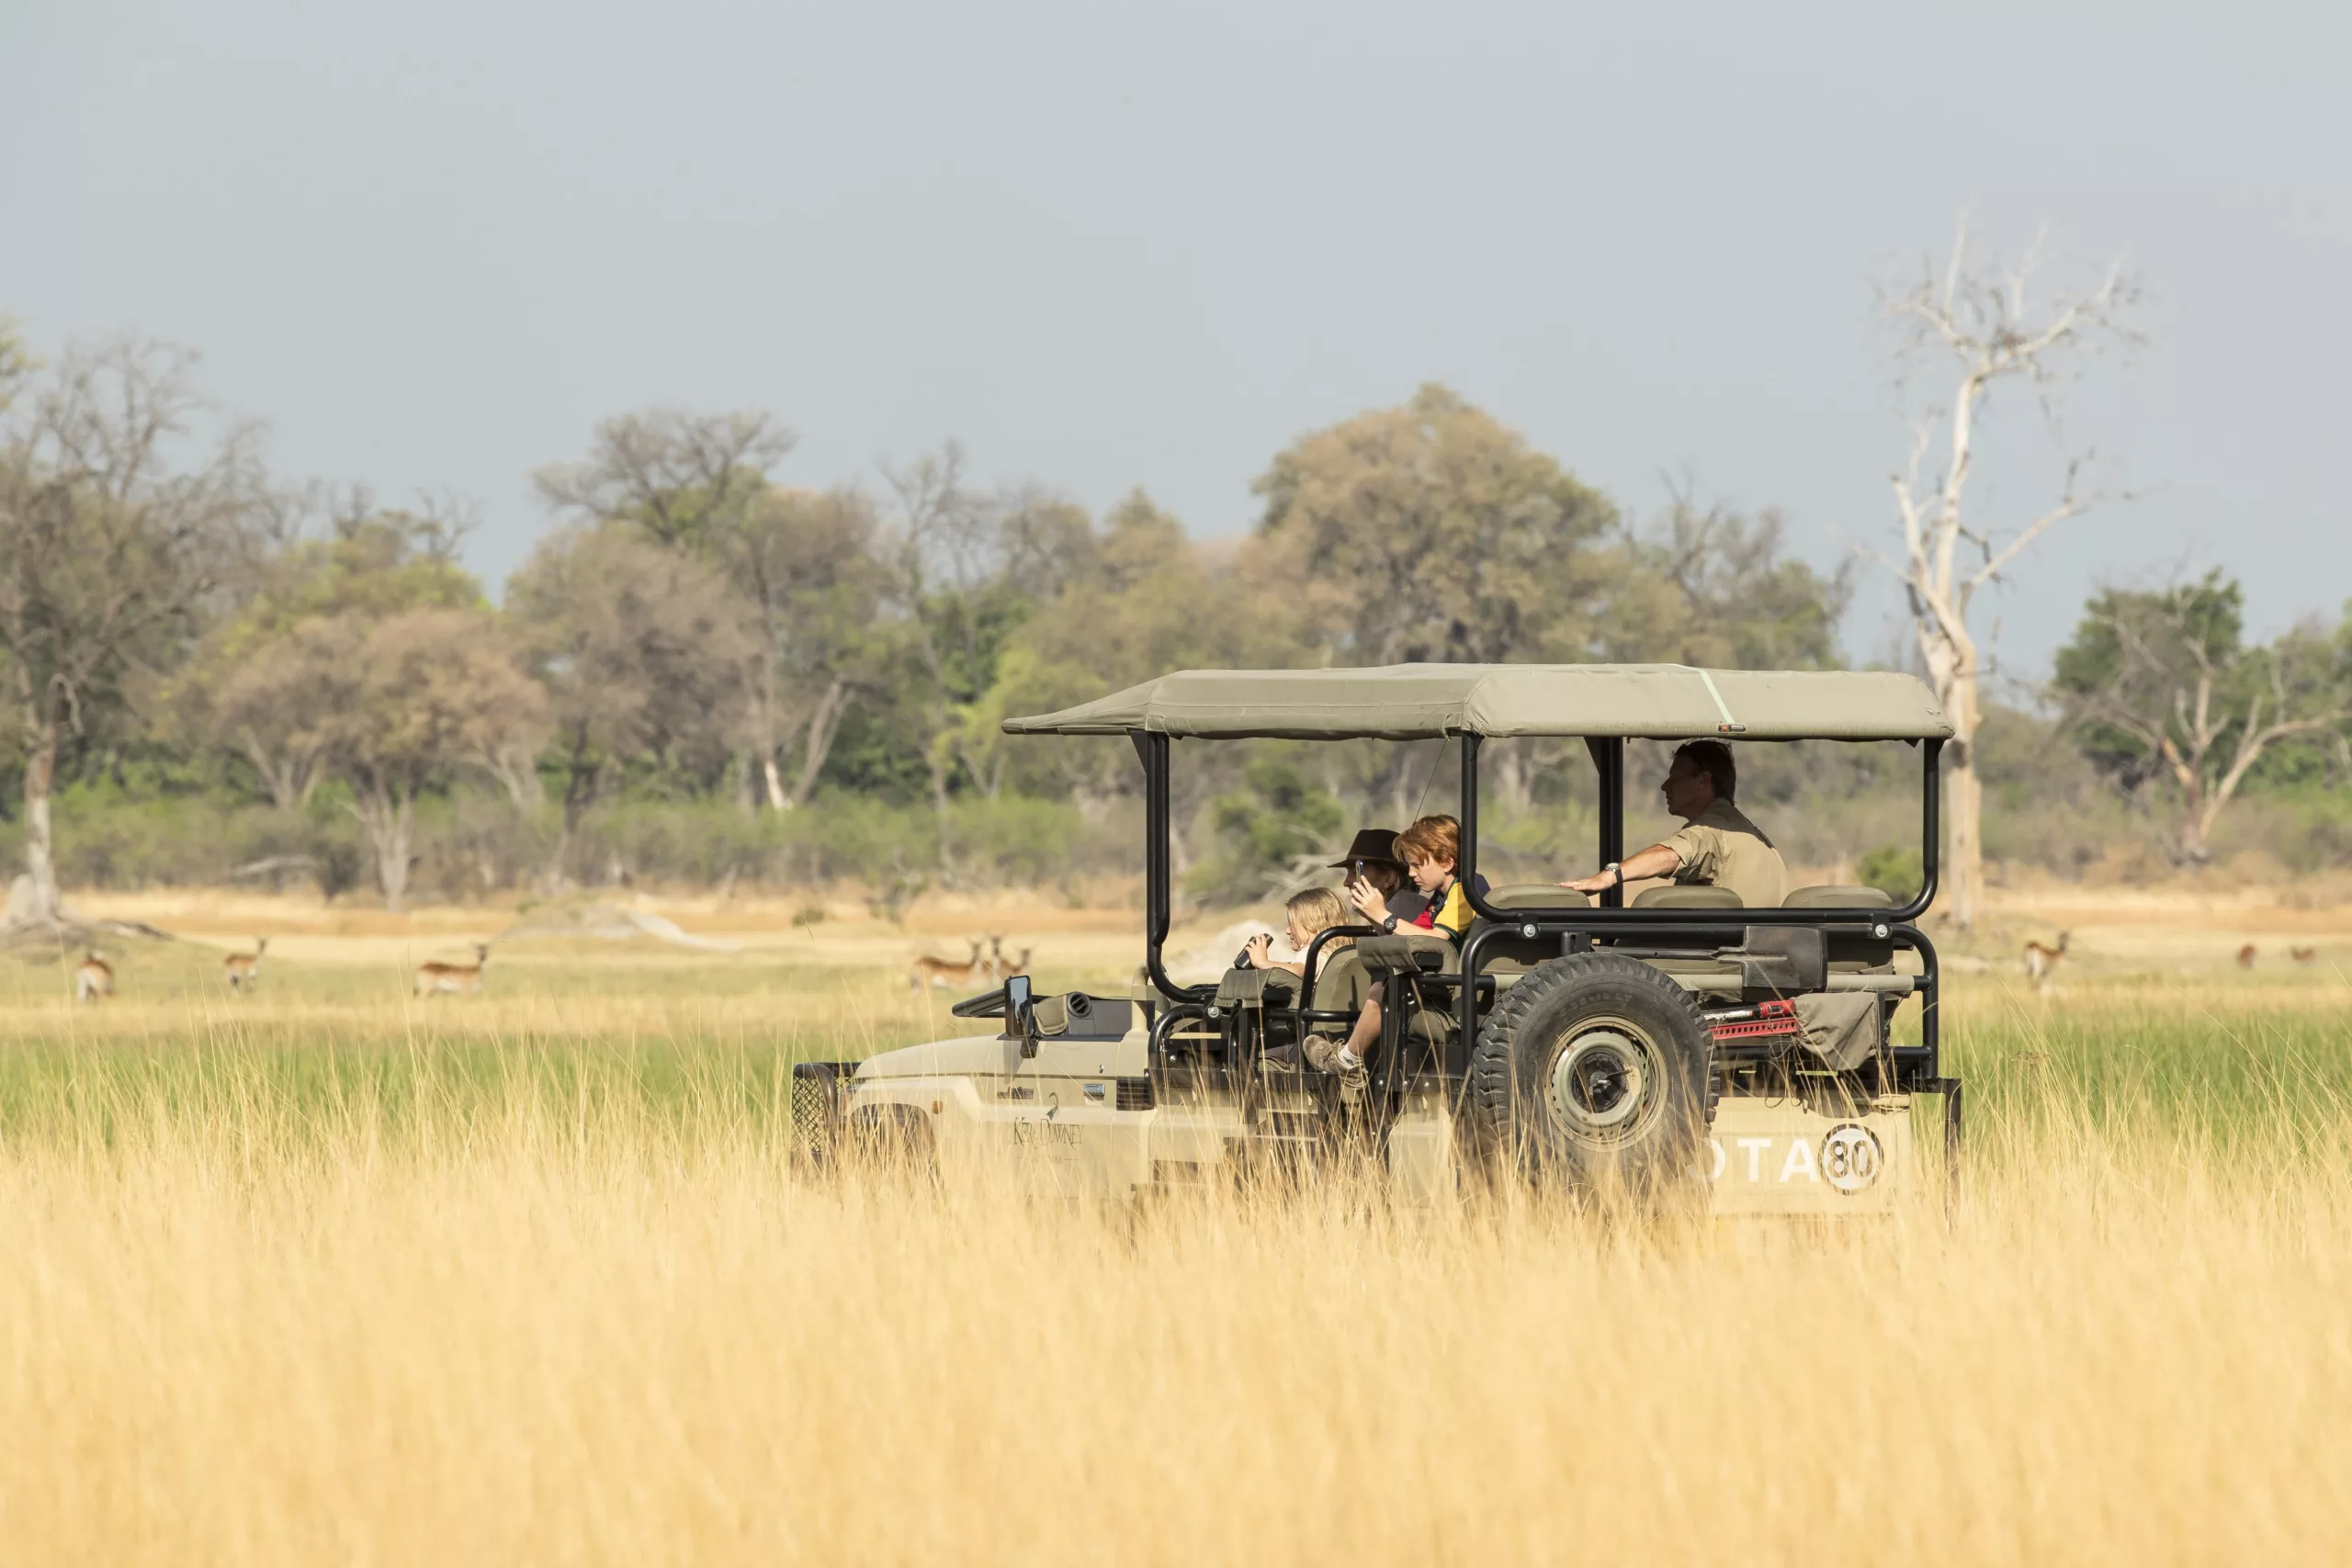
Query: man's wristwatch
[(1616, 871)]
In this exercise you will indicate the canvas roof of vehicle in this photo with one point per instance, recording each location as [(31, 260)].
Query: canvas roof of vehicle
[(1416, 701)]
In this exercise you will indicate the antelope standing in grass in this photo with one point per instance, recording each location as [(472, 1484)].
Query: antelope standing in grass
[(1001, 968), (92, 978), (455, 978), (2246, 957), (929, 972), (243, 970), (2040, 962)]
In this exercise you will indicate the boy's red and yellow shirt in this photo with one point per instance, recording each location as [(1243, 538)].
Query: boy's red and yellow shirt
[(1448, 910)]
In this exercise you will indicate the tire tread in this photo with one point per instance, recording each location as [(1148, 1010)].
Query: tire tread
[(1494, 1061)]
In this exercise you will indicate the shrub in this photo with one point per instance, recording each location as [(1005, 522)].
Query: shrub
[(1897, 869), (1273, 822)]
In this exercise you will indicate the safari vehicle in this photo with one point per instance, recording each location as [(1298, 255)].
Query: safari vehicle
[(1682, 1043)]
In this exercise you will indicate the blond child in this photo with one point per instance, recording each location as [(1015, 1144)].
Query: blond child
[(1342, 984)]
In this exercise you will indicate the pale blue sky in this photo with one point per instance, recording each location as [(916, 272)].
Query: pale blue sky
[(1110, 245)]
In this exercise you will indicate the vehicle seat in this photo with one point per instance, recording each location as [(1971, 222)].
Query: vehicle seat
[(1695, 895), (1419, 1015), (1849, 955), (1422, 1023), (1836, 896), (1256, 988), (1524, 895), (1537, 895)]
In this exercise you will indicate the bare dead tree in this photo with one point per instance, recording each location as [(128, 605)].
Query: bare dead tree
[(1979, 326), (125, 504), (14, 365)]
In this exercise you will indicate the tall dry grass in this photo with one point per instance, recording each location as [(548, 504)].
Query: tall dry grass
[(387, 1302)]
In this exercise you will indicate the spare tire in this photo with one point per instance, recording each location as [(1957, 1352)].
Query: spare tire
[(1591, 1072)]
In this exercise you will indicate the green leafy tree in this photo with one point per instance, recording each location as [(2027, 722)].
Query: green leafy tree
[(1735, 599), (2160, 687), (1433, 532), (417, 693), (261, 685), (644, 652), (805, 562), (1139, 599), (966, 569), (128, 509)]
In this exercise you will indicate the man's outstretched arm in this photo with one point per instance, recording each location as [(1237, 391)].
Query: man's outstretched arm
[(1658, 860)]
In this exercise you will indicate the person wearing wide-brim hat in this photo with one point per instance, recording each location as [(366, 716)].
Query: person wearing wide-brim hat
[(1373, 858)]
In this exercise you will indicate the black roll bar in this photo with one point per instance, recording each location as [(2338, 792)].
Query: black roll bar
[(1609, 763), (1930, 992), (1930, 828), (1609, 754), (1152, 752), (1164, 1026), (1314, 955)]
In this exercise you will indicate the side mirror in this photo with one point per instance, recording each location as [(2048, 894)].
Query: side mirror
[(1016, 1013)]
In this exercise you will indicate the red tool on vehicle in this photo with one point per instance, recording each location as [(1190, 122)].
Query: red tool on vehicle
[(1760, 1022)]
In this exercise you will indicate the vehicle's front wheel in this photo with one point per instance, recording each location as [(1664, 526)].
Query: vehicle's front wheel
[(1592, 1072)]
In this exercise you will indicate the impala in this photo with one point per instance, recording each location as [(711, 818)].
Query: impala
[(455, 978), (998, 968), (929, 972), (92, 978), (243, 970), (2040, 960)]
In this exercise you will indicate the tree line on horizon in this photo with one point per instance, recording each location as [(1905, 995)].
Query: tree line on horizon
[(692, 633)]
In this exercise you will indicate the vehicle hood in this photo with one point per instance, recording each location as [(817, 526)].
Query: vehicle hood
[(973, 1053)]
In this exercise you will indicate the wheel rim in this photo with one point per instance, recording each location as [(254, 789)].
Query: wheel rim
[(1606, 1082)]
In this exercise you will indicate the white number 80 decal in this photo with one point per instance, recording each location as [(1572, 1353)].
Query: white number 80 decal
[(1850, 1158)]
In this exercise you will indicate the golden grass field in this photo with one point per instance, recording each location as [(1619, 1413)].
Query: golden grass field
[(329, 1275)]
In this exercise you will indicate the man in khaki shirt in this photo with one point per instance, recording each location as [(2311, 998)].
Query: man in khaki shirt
[(1717, 846)]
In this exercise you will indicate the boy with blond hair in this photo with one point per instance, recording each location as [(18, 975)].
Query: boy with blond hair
[(1431, 850)]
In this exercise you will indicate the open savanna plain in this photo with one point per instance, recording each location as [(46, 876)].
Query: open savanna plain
[(330, 1274)]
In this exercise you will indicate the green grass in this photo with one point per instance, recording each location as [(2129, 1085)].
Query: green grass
[(2242, 1083), (690, 1048), (330, 1093), (681, 1048), (2249, 1082)]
